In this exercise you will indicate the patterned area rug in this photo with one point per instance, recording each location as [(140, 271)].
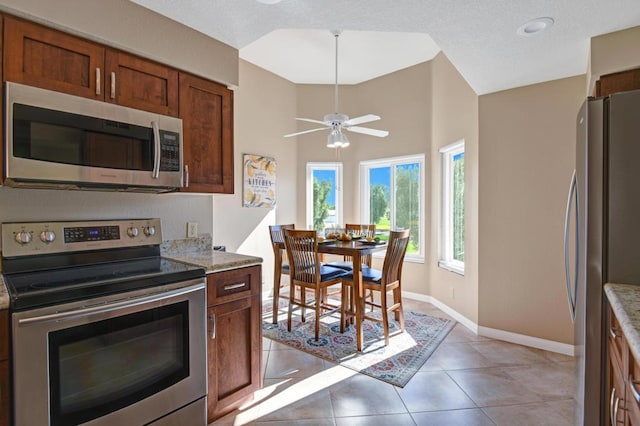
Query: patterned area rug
[(395, 363)]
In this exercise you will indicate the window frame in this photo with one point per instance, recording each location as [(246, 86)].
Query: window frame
[(311, 167), (364, 186), (446, 221)]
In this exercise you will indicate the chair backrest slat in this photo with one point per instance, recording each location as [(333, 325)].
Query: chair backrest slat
[(302, 249), (392, 266)]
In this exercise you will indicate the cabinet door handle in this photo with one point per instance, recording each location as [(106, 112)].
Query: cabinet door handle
[(611, 404), (615, 411), (212, 319), (186, 175), (634, 390), (98, 83), (613, 333), (234, 286), (113, 85)]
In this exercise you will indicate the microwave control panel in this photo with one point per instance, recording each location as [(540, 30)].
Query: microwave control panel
[(169, 151)]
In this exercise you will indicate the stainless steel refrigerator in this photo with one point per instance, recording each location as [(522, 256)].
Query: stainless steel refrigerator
[(602, 234)]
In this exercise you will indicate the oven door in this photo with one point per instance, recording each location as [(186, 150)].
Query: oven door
[(123, 359)]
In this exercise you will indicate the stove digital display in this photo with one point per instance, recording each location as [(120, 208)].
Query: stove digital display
[(91, 233)]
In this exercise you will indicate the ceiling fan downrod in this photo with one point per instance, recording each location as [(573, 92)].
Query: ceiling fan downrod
[(336, 34)]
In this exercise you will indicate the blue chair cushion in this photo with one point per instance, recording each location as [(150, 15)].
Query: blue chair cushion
[(328, 273), (346, 266), (368, 274)]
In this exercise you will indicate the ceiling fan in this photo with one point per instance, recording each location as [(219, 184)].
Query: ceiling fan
[(338, 122)]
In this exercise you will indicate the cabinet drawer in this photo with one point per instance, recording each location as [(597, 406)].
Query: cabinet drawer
[(616, 340), (4, 335), (234, 284)]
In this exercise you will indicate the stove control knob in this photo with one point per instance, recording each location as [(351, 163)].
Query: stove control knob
[(132, 232), (149, 231), (47, 236), (23, 237)]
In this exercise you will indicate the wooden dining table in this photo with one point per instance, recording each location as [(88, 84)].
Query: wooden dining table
[(354, 248)]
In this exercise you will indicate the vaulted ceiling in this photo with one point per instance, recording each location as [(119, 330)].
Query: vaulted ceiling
[(292, 38)]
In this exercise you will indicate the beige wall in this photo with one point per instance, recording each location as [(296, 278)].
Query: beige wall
[(527, 155), (126, 25), (455, 117), (264, 107), (174, 210), (403, 100), (613, 52)]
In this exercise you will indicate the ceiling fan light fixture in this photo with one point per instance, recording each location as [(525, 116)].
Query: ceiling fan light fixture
[(337, 139)]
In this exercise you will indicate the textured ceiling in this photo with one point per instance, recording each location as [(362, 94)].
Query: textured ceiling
[(478, 36)]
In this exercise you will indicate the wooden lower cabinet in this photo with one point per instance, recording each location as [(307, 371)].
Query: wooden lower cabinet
[(5, 400), (234, 335), (623, 375), (4, 393)]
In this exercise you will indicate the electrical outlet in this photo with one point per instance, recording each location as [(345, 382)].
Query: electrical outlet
[(192, 229)]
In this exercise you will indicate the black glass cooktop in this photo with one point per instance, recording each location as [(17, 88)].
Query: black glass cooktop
[(29, 290)]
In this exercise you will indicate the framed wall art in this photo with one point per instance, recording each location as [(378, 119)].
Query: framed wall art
[(259, 181)]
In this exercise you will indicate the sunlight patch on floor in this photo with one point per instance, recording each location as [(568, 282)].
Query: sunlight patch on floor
[(269, 399)]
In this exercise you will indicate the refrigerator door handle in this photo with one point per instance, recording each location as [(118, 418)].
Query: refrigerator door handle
[(571, 293)]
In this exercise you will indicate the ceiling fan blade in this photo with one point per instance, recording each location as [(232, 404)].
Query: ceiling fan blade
[(367, 131), (306, 131), (310, 120), (359, 120)]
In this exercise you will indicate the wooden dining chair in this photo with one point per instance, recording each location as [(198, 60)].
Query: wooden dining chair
[(383, 281), (281, 265), (308, 273)]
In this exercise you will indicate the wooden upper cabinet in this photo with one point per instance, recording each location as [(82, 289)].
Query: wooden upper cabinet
[(140, 84), (206, 109), (41, 57), (618, 82)]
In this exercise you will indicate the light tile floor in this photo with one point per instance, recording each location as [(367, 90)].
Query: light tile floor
[(469, 380)]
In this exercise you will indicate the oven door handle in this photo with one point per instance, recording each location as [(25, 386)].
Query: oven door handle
[(108, 307)]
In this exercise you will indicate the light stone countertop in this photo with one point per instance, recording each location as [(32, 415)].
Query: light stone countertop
[(198, 251), (216, 261), (625, 302), (4, 295)]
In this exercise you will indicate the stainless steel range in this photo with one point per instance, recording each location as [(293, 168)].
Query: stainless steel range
[(104, 330)]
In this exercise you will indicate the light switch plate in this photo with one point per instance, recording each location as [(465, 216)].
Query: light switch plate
[(192, 229)]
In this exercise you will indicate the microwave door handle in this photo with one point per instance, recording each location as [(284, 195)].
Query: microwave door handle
[(156, 149)]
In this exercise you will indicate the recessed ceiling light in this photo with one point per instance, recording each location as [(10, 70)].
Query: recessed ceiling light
[(535, 26), (269, 1)]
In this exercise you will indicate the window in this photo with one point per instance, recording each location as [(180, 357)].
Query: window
[(452, 237), (392, 198), (324, 195)]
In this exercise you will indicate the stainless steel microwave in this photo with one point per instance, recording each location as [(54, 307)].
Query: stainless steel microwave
[(55, 140)]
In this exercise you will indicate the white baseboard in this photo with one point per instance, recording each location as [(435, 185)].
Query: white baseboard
[(446, 309), (534, 342), (507, 336)]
